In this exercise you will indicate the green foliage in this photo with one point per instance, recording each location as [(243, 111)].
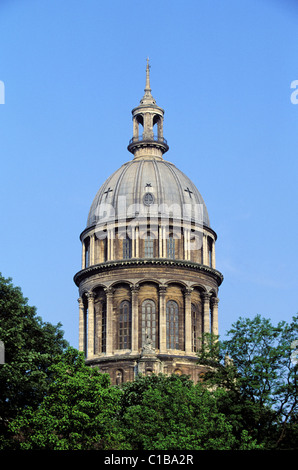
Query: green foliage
[(171, 413), (50, 399), (83, 412), (79, 411), (30, 348), (255, 365)]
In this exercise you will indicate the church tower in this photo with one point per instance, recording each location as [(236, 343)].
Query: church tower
[(148, 285)]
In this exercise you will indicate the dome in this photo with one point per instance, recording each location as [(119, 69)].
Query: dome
[(148, 282), (149, 186)]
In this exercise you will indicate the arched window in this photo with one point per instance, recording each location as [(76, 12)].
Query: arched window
[(87, 252), (194, 328), (104, 327), (149, 322), (210, 251), (171, 247), (125, 325), (172, 325)]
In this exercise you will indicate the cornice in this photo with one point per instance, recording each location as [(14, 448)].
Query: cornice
[(119, 264)]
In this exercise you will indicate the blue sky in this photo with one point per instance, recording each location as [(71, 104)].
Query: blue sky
[(222, 71)]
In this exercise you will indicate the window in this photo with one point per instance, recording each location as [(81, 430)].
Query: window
[(104, 327), (194, 332), (126, 248), (210, 252), (171, 247), (172, 325), (149, 247), (125, 325), (87, 252), (149, 321)]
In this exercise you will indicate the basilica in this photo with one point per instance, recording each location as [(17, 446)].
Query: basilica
[(148, 284)]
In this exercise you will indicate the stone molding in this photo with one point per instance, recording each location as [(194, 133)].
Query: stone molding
[(109, 265)]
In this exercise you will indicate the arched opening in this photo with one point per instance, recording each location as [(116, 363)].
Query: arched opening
[(87, 252), (158, 127), (137, 135), (195, 328), (119, 377), (104, 327), (210, 252)]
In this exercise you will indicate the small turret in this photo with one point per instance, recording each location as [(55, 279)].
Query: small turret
[(150, 116)]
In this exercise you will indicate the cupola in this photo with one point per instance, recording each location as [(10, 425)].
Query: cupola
[(148, 139)]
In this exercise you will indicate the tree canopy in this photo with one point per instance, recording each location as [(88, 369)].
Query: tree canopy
[(256, 364), (50, 399), (31, 347), (82, 411)]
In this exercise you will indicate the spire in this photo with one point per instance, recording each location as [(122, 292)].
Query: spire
[(147, 98), (147, 88)]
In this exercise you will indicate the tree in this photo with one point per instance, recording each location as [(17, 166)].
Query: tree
[(79, 412), (171, 413), (30, 348), (260, 373)]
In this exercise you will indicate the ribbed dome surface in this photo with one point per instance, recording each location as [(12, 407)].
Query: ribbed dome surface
[(144, 185)]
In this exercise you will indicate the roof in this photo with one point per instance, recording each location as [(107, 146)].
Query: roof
[(148, 186)]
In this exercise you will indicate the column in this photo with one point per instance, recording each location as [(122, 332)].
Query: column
[(98, 328), (135, 129), (160, 128), (214, 315), (160, 241), (137, 238), (186, 233), (205, 250), (81, 325), (162, 319), (135, 319), (92, 249), (164, 243), (90, 348), (133, 241), (109, 334), (110, 241), (187, 319), (206, 312)]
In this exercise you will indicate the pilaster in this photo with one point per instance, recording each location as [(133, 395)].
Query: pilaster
[(81, 325), (90, 348), (135, 319), (162, 319), (187, 319), (110, 333)]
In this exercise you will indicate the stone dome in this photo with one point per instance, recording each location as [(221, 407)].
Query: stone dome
[(148, 186)]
